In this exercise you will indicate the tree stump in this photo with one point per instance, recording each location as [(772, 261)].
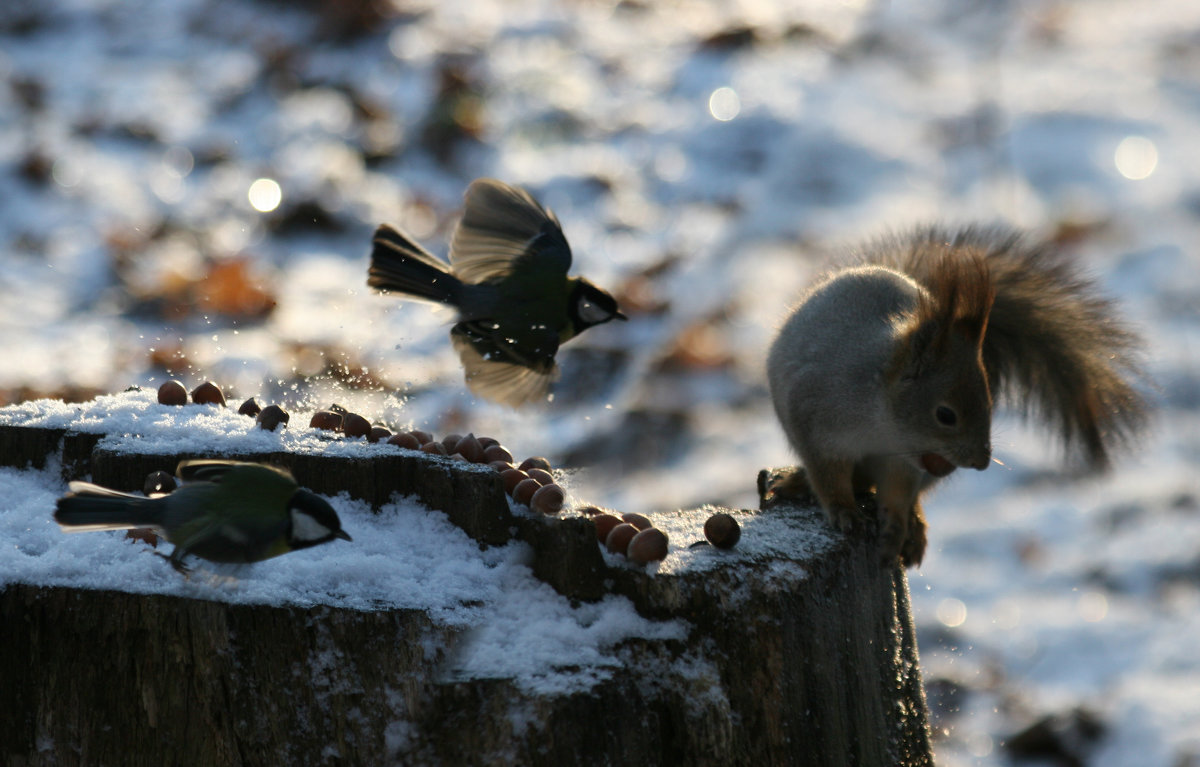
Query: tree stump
[(799, 659)]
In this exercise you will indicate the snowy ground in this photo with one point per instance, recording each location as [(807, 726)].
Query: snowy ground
[(705, 158)]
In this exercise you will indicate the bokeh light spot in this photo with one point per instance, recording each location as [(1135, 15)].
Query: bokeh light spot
[(951, 612), (265, 195), (1136, 157), (724, 104)]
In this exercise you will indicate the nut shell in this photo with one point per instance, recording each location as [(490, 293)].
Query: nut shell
[(326, 419), (159, 483), (471, 449), (649, 545), (423, 437), (638, 521), (172, 393), (511, 478), (534, 462), (250, 407), (541, 475), (354, 425), (548, 499), (722, 530), (619, 538), (378, 433), (434, 448), (496, 452), (208, 393), (272, 417), (604, 525), (523, 492), (405, 440)]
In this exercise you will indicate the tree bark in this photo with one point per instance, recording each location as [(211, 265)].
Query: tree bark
[(787, 660)]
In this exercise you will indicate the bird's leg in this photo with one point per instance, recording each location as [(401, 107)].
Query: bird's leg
[(176, 560)]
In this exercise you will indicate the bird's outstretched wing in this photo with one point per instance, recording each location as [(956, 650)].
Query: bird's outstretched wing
[(500, 224), (215, 469), (502, 372)]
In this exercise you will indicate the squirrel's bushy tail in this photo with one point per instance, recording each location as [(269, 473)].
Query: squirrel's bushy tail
[(1054, 347)]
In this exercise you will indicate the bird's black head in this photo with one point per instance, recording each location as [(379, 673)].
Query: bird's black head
[(313, 521), (588, 305)]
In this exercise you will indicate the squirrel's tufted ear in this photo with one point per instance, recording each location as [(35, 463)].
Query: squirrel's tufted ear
[(958, 299)]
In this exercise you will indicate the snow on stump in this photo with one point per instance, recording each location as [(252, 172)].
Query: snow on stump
[(794, 647)]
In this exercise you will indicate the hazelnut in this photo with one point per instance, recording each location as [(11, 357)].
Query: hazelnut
[(471, 449), (159, 483), (548, 499), (638, 521), (536, 462), (649, 545), (511, 477), (591, 511), (423, 437), (488, 442), (405, 440), (172, 393), (354, 425), (327, 420), (271, 417), (500, 465), (722, 530), (541, 475), (451, 440), (434, 448), (496, 452), (523, 492), (619, 537), (378, 433), (208, 393), (250, 407), (604, 525)]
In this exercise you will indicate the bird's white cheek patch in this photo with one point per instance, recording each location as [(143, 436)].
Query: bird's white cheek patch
[(305, 528)]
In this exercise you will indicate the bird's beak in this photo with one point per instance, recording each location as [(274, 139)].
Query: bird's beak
[(345, 536), (619, 316)]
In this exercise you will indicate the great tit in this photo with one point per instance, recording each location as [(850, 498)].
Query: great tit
[(226, 511), (507, 277)]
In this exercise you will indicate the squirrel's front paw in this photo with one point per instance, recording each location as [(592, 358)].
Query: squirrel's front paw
[(844, 519), (784, 485)]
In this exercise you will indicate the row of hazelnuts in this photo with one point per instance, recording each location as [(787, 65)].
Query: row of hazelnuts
[(529, 483), (636, 537), (173, 392)]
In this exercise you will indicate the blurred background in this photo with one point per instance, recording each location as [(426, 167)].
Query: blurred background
[(189, 187)]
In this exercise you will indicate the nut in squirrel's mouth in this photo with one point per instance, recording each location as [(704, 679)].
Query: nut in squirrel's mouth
[(936, 465)]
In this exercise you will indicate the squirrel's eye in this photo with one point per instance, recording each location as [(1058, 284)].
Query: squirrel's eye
[(945, 416)]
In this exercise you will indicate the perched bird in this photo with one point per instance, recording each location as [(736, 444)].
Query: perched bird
[(507, 277), (225, 511)]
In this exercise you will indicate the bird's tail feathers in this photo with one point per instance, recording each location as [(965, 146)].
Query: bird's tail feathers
[(400, 265), (91, 507)]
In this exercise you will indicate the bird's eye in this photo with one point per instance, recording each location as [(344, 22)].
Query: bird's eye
[(591, 313), (945, 416)]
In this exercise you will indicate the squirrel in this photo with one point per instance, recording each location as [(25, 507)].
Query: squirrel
[(883, 375)]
